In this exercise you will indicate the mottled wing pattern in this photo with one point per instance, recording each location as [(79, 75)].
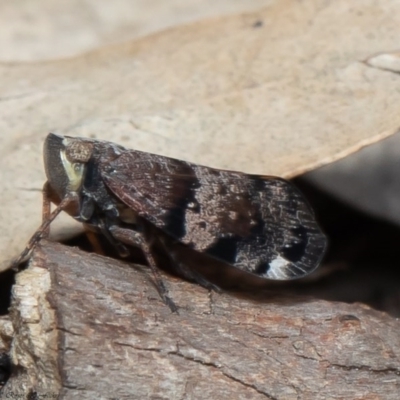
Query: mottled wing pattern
[(259, 224)]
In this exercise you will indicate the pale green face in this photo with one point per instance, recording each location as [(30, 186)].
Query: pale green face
[(73, 170), (65, 160)]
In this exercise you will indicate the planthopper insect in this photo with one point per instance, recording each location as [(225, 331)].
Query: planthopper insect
[(259, 224)]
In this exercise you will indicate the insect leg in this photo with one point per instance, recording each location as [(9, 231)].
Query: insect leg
[(46, 206), (42, 230), (186, 272), (119, 247), (137, 238), (94, 241)]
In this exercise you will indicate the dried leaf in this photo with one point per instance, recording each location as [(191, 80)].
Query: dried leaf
[(47, 29)]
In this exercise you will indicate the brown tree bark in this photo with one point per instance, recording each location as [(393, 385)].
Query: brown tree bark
[(90, 327)]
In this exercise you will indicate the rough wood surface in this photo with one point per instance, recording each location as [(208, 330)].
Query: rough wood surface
[(6, 332), (92, 327)]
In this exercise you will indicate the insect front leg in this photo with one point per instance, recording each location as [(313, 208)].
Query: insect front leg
[(43, 230), (138, 239), (46, 207)]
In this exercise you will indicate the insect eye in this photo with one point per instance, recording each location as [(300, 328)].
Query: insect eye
[(77, 167)]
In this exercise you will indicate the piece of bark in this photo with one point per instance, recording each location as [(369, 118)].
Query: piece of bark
[(6, 333), (90, 327)]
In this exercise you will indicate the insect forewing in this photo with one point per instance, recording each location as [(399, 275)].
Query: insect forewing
[(262, 225)]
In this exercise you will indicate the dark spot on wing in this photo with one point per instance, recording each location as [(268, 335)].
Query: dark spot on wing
[(258, 184), (224, 249), (296, 249), (222, 189), (262, 268), (175, 222), (258, 226)]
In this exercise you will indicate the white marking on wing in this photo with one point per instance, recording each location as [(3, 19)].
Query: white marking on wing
[(277, 268)]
